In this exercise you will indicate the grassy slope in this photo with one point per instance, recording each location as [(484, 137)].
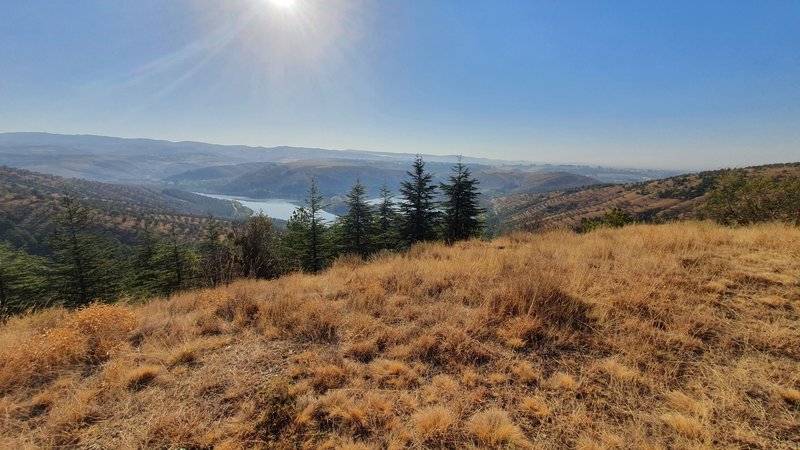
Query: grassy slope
[(666, 199), (668, 336)]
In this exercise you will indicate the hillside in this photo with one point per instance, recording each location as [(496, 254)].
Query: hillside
[(336, 178), (658, 200), (650, 336), (118, 160), (30, 200)]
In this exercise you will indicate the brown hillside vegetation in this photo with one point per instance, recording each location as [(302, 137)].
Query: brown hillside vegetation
[(657, 200), (651, 336)]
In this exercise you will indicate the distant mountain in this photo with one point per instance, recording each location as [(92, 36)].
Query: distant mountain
[(147, 161), (658, 200)]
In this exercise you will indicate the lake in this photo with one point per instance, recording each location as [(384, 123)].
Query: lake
[(271, 207)]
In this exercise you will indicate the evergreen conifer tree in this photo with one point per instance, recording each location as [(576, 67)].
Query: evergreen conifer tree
[(460, 205), (87, 263), (387, 221), (356, 234), (306, 244), (417, 205), (22, 281)]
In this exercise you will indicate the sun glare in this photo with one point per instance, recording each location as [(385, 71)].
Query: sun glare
[(284, 4)]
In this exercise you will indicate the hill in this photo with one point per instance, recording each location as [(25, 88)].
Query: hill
[(30, 200), (336, 177), (148, 161), (650, 336), (658, 200)]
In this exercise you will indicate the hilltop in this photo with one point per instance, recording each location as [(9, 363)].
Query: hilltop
[(650, 336), (659, 200)]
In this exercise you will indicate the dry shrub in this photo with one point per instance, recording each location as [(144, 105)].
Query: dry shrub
[(525, 373), (521, 331), (434, 424), (90, 335), (141, 377), (616, 370), (363, 351), (791, 395), (328, 376), (561, 380), (535, 407), (539, 294), (391, 373), (684, 425), (494, 428), (686, 404), (106, 327)]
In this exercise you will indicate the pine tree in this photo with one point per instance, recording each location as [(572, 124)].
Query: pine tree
[(295, 241), (387, 221), (318, 236), (461, 210), (145, 273), (22, 281), (87, 264), (418, 206), (306, 243), (357, 230)]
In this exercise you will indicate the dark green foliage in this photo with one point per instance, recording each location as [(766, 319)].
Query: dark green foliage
[(87, 262), (306, 244), (739, 198), (616, 218), (356, 231), (417, 206), (258, 242), (387, 222), (23, 283), (460, 205)]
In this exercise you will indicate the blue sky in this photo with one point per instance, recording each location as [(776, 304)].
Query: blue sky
[(674, 84)]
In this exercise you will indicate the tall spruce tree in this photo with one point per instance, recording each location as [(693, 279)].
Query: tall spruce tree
[(417, 205), (87, 263), (460, 205), (357, 231), (387, 221)]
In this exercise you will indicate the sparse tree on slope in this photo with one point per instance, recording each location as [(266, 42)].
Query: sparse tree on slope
[(461, 211), (387, 221), (219, 259), (22, 281), (417, 206), (257, 240), (357, 228), (86, 261), (306, 244)]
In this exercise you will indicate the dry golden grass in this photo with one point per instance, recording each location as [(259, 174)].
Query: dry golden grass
[(670, 336)]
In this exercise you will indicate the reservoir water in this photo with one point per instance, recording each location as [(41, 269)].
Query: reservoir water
[(271, 207)]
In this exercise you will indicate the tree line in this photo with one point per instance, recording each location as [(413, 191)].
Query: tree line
[(87, 264)]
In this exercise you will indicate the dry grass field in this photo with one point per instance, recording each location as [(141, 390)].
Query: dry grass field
[(652, 336)]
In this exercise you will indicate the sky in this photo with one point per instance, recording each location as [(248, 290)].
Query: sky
[(659, 84)]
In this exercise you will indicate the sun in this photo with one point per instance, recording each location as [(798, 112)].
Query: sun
[(283, 4)]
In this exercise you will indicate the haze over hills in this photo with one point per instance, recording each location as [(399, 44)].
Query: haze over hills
[(271, 171)]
